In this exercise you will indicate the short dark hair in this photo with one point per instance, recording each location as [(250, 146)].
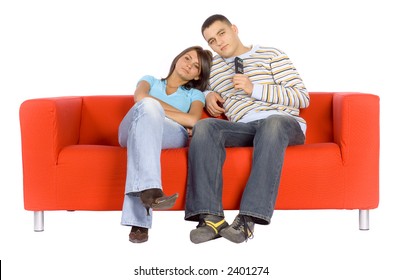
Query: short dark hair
[(212, 19), (205, 61)]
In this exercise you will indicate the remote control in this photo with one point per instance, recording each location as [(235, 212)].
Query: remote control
[(239, 65)]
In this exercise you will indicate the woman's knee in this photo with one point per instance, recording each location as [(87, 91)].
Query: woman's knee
[(148, 110), (149, 104)]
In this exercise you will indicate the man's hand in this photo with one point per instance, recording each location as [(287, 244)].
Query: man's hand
[(242, 81), (213, 101)]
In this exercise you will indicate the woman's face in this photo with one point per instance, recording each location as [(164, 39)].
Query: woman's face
[(188, 66)]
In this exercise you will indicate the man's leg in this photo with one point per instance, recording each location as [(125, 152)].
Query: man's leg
[(204, 186), (205, 161), (272, 137)]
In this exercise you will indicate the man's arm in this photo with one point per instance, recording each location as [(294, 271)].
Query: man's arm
[(288, 88), (214, 103)]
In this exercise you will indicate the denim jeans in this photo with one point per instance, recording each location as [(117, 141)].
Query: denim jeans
[(145, 131), (207, 154)]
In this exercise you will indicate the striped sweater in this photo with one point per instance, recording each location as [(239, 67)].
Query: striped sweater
[(277, 84)]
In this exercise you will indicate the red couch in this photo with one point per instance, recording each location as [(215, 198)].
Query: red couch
[(72, 160)]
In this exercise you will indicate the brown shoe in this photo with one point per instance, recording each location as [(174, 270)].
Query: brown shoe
[(138, 234), (156, 199)]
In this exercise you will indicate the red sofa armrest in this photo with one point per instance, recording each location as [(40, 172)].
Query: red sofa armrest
[(356, 125), (47, 125)]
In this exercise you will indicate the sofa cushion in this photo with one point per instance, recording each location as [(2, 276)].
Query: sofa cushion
[(93, 177)]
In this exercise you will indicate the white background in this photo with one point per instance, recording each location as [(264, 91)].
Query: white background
[(84, 47)]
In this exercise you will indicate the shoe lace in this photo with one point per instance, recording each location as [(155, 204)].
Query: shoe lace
[(240, 223)]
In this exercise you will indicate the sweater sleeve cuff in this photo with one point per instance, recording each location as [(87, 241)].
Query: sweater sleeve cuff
[(257, 91)]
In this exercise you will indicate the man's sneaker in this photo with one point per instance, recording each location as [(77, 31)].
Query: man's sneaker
[(208, 228), (240, 230)]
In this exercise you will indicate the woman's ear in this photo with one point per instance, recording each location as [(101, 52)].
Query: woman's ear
[(196, 78)]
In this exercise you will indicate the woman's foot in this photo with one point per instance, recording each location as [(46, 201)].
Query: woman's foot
[(156, 199), (138, 234)]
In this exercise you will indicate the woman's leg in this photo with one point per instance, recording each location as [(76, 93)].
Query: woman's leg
[(145, 131)]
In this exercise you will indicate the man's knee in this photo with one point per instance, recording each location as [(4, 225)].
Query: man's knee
[(276, 126), (282, 128), (203, 126), (276, 122), (205, 131)]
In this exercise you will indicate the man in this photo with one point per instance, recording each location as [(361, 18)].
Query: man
[(262, 107)]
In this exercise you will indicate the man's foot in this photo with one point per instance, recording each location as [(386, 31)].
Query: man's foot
[(138, 234), (240, 230), (208, 228)]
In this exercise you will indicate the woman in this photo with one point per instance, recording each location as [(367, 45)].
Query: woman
[(164, 111)]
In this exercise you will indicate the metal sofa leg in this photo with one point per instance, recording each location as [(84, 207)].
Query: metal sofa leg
[(363, 219), (40, 226), (38, 221)]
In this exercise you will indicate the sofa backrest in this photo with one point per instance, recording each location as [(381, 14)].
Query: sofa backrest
[(319, 118), (101, 117)]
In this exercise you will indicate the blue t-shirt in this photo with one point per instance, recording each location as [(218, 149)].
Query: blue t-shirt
[(181, 99)]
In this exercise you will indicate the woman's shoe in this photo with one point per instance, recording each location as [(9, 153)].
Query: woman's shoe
[(138, 234), (156, 199)]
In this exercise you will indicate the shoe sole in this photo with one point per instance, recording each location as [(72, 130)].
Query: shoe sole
[(216, 227), (138, 240), (193, 240), (229, 236), (166, 203)]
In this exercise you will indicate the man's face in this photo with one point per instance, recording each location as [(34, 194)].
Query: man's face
[(222, 38)]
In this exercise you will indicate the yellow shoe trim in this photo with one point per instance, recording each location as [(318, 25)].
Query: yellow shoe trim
[(214, 226)]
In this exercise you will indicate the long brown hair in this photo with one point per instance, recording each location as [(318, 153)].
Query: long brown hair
[(205, 60)]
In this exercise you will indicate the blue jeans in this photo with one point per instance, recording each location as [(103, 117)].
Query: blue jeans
[(269, 137), (145, 131)]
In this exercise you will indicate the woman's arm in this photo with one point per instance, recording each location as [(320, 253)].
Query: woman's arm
[(142, 91), (187, 119)]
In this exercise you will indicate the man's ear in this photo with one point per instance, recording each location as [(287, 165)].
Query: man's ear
[(234, 28)]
